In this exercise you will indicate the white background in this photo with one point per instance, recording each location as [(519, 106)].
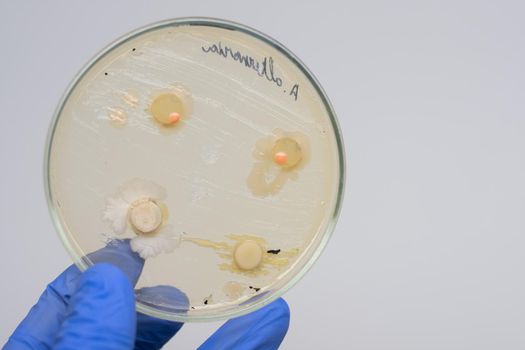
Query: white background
[(429, 250)]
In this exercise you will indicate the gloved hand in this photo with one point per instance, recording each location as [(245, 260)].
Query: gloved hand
[(96, 310)]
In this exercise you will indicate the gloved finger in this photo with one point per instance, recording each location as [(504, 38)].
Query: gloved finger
[(118, 253), (153, 333), (263, 329), (101, 312), (39, 328)]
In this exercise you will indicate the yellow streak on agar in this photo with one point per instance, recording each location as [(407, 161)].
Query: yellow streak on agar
[(225, 251), (207, 243)]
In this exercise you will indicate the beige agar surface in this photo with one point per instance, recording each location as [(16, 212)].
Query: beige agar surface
[(217, 165)]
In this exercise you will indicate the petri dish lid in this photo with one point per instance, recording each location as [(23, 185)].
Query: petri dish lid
[(211, 151)]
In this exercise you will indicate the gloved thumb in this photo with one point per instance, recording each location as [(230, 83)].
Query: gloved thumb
[(101, 313)]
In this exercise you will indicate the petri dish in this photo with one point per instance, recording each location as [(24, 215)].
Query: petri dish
[(209, 146)]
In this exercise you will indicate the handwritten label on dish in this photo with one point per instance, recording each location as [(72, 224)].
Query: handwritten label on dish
[(264, 68)]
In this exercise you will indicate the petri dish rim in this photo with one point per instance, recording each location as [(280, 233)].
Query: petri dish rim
[(82, 262)]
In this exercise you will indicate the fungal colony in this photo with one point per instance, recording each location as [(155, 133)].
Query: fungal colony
[(138, 205)]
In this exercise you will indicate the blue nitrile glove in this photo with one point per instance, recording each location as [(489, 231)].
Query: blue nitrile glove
[(96, 310)]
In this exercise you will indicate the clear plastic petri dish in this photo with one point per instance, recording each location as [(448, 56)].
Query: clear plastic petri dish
[(209, 148)]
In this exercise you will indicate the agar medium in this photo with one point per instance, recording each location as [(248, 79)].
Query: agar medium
[(209, 146)]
